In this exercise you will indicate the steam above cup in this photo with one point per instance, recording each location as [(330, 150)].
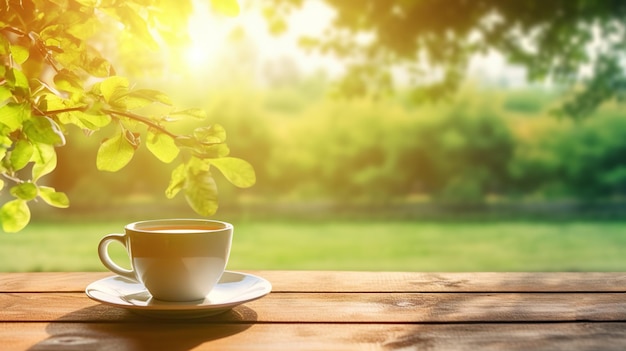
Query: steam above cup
[(175, 259)]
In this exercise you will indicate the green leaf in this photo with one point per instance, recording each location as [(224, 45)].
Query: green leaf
[(239, 172), (21, 154), (50, 102), (45, 159), (5, 93), (136, 24), (200, 188), (83, 27), (226, 7), (19, 53), (1, 184), (212, 151), (5, 141), (213, 134), (90, 121), (14, 216), (211, 147), (151, 95), (84, 120), (95, 64), (177, 181), (13, 115), (192, 112), (53, 197), (43, 130), (70, 52), (113, 88), (5, 46), (53, 104), (19, 81), (130, 102), (114, 153), (88, 3), (25, 191), (69, 81), (140, 98), (162, 146)]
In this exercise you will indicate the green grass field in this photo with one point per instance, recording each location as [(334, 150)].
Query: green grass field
[(353, 245)]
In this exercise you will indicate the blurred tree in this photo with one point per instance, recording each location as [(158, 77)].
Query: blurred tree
[(55, 79), (433, 40), (580, 160), (376, 151), (462, 153)]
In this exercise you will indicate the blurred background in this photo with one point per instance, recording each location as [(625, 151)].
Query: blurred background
[(489, 176)]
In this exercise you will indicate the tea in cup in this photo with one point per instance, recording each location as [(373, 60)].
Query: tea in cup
[(175, 259)]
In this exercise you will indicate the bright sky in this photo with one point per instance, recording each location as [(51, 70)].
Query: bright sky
[(209, 34)]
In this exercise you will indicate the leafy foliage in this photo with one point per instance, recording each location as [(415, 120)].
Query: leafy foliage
[(372, 152), (54, 81), (582, 160), (433, 41), (484, 146)]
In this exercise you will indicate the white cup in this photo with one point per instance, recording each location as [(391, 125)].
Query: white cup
[(175, 259)]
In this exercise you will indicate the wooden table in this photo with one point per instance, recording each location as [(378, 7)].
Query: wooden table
[(312, 310)]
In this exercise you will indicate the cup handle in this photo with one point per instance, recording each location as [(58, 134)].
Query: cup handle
[(103, 253)]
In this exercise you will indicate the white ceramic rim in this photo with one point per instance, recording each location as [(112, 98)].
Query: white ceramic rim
[(136, 226)]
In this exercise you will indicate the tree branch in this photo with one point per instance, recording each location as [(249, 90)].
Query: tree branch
[(11, 178), (63, 110), (130, 115), (142, 120)]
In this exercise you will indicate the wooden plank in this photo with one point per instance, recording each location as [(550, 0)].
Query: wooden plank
[(347, 307), (226, 337), (48, 281), (337, 281)]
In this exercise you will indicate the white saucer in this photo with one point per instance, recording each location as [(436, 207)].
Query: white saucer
[(233, 289)]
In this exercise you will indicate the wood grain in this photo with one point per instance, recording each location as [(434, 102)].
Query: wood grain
[(337, 281), (226, 337), (348, 308), (335, 311)]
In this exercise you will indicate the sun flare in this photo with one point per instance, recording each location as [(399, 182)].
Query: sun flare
[(206, 37), (211, 35)]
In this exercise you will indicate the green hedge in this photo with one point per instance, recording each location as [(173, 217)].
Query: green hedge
[(306, 146)]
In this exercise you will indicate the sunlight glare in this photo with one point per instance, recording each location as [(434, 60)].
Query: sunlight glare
[(206, 37)]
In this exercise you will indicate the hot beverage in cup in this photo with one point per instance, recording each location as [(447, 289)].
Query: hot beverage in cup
[(175, 259)]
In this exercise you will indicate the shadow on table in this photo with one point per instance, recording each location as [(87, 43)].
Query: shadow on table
[(134, 332)]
